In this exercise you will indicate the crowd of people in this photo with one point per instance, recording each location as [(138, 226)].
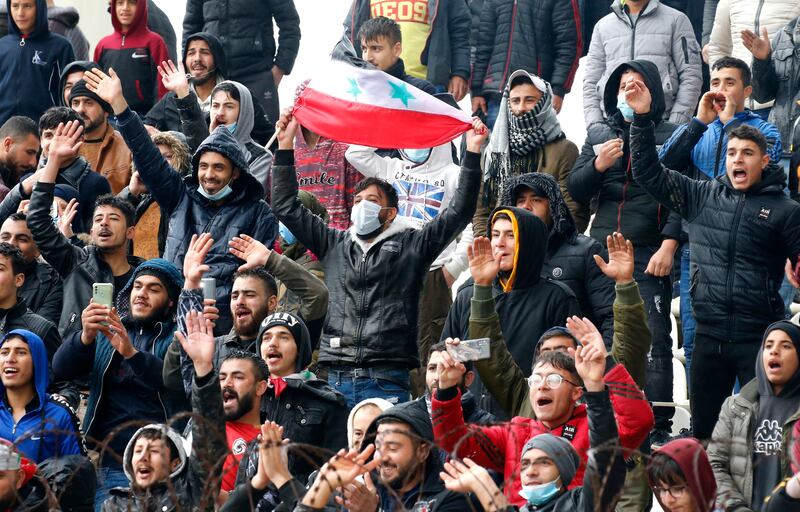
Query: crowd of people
[(205, 305)]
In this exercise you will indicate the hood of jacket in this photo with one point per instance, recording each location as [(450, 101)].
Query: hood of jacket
[(41, 372), (543, 185), (139, 23), (530, 248), (40, 27), (792, 387), (652, 79), (165, 271), (221, 141), (380, 403), (691, 457), (246, 119), (72, 67), (165, 431), (217, 51), (299, 332)]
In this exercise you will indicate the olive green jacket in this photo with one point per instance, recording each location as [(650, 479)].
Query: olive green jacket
[(506, 381)]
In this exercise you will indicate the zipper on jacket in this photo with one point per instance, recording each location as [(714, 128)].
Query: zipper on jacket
[(431, 20), (508, 52), (624, 194), (102, 385), (360, 327), (737, 216), (757, 25), (633, 32), (123, 40)]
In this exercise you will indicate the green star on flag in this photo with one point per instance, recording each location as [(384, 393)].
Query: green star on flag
[(354, 89), (400, 92)]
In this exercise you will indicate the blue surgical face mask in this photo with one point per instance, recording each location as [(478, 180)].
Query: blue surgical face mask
[(416, 156), (365, 216), (540, 494), (287, 235), (231, 128), (222, 194), (624, 108)]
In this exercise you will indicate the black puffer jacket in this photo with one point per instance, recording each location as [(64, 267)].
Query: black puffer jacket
[(43, 290), (446, 51), (527, 308), (623, 205), (312, 413), (539, 36), (374, 289), (739, 240), (245, 29), (570, 255)]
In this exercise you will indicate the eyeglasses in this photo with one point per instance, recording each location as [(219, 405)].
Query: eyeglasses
[(552, 380), (676, 491)]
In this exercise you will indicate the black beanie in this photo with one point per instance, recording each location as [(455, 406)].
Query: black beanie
[(80, 90)]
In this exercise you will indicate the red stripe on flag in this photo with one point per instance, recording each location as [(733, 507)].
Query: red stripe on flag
[(374, 126)]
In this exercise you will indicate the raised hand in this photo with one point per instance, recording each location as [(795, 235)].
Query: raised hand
[(360, 497), (174, 78), (483, 265), (66, 142), (760, 47), (108, 87), (198, 343), (590, 361), (193, 262), (451, 372), (637, 95), (469, 477), (726, 107), (66, 217), (611, 151), (584, 330), (476, 136), (136, 186), (340, 471), (117, 335), (254, 253), (272, 463), (92, 319), (620, 259), (287, 128), (706, 109)]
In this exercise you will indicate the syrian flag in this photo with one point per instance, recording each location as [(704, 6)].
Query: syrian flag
[(351, 101)]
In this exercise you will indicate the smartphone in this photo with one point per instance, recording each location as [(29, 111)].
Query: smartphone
[(209, 287), (470, 350), (103, 293)]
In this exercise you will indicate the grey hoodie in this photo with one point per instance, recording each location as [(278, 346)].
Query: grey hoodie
[(258, 158)]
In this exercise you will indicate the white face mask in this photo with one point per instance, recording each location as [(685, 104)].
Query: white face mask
[(365, 216)]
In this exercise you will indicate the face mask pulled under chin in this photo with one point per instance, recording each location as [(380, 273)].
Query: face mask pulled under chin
[(217, 196), (365, 217), (540, 494)]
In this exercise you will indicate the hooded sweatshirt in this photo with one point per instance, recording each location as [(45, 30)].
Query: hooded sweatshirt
[(527, 303), (424, 190), (380, 403), (49, 428), (691, 457), (773, 411), (30, 67), (134, 55), (570, 255), (623, 205), (258, 158), (72, 67)]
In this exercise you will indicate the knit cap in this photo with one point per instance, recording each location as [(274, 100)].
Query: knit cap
[(560, 451), (81, 90)]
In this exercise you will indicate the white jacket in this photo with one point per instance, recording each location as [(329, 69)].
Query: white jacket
[(424, 190), (733, 16)]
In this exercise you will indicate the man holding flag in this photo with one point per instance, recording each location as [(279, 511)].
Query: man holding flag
[(374, 270)]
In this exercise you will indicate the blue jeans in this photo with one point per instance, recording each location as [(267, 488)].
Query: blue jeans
[(657, 295), (107, 479), (358, 384), (492, 109), (688, 323)]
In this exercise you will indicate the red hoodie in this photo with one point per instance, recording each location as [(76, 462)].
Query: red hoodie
[(691, 457), (134, 55)]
